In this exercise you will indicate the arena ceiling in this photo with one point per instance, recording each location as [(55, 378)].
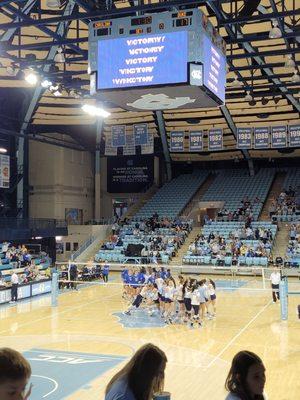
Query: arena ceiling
[(31, 33)]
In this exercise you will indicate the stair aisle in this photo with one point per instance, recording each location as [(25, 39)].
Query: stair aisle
[(184, 248), (274, 192)]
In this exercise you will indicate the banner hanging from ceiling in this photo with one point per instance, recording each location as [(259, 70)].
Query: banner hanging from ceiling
[(176, 141), (4, 171), (196, 141), (140, 134), (244, 138), (118, 135), (261, 138), (294, 131), (215, 139), (278, 137)]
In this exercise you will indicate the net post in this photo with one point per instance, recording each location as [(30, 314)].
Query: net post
[(283, 291), (263, 277), (69, 267), (54, 289)]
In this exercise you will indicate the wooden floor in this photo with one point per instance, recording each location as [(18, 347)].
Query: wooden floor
[(198, 359)]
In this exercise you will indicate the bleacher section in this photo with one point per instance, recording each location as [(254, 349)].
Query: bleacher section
[(230, 232), (232, 186), (293, 247), (160, 242), (292, 179), (171, 199)]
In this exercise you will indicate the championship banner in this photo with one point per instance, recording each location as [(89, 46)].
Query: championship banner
[(176, 141), (261, 138), (109, 149), (294, 135), (196, 141), (278, 136), (140, 134), (129, 148), (244, 138), (4, 171), (215, 139), (118, 135), (149, 147)]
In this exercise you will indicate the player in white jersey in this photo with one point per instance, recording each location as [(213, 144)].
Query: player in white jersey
[(153, 299), (180, 297), (202, 293), (187, 296), (169, 301), (212, 296), (195, 302)]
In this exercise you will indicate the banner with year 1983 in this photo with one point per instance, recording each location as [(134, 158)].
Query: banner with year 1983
[(244, 138), (278, 136)]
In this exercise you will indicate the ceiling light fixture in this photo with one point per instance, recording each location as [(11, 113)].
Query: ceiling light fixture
[(31, 78), (248, 96), (252, 103), (95, 111), (46, 84), (3, 150), (264, 101), (53, 3), (276, 100), (295, 78), (275, 32), (236, 83), (59, 56), (289, 62)]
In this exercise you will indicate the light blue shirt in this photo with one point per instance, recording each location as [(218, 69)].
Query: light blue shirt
[(120, 391)]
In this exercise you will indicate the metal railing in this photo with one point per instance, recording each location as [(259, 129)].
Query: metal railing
[(83, 247)]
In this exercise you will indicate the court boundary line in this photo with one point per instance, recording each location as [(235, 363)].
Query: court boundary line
[(240, 332)]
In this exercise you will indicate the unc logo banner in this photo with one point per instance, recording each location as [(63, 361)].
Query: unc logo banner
[(294, 135), (118, 135), (176, 141), (196, 141), (140, 134), (244, 138), (215, 139), (279, 136), (261, 138)]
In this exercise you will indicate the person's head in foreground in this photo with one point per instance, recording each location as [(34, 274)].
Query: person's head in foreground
[(246, 379), (15, 372), (141, 377)]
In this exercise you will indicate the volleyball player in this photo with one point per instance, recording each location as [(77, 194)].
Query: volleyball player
[(169, 301), (180, 297), (212, 295), (187, 296), (195, 302), (138, 300), (202, 294)]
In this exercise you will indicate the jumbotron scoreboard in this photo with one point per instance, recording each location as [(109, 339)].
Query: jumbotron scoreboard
[(158, 61)]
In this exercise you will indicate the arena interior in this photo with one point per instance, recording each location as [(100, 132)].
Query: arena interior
[(150, 191)]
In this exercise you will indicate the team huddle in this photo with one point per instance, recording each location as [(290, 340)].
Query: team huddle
[(187, 301)]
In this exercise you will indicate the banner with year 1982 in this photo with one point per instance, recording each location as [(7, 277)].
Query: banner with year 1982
[(215, 139)]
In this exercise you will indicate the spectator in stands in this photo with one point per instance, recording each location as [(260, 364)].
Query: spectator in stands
[(141, 377), (246, 378), (15, 372)]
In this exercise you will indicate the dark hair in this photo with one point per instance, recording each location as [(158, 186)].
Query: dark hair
[(213, 283), (13, 366), (236, 379), (144, 372)]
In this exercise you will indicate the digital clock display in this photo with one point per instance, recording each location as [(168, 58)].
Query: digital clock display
[(141, 21)]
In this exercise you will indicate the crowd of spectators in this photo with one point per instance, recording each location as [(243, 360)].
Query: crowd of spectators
[(243, 213), (17, 256), (287, 203), (158, 236), (293, 248), (235, 245)]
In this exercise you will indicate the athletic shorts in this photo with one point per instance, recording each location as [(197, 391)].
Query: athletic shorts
[(188, 305), (138, 300), (168, 300), (156, 301), (213, 297), (196, 309), (206, 300), (180, 301)]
